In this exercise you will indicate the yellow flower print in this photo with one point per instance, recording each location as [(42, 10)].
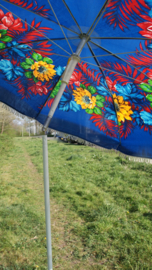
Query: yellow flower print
[(43, 71), (123, 108), (84, 98)]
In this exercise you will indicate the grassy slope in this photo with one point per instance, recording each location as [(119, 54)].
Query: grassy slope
[(101, 209), (21, 217)]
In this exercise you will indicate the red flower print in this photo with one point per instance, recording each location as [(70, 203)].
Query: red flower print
[(149, 74), (49, 102), (147, 27), (7, 22), (75, 78), (111, 84), (107, 126), (38, 88)]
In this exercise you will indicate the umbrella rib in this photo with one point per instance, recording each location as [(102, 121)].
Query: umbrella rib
[(35, 41), (53, 39), (72, 15), (64, 38), (120, 59), (98, 17), (40, 16), (36, 30), (117, 53), (98, 64), (34, 50), (113, 71), (59, 25), (52, 53), (107, 85), (133, 38)]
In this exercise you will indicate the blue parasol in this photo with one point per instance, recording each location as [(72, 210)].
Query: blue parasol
[(106, 95), (81, 67)]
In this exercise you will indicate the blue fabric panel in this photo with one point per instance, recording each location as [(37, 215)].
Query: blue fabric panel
[(81, 132), (45, 10), (122, 18), (15, 103), (138, 144), (85, 12)]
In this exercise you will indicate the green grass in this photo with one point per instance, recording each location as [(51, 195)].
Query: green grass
[(20, 217), (6, 144), (101, 209)]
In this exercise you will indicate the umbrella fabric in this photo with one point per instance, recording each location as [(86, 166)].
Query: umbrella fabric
[(108, 100)]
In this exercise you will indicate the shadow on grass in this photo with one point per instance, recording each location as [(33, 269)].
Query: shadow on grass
[(148, 215)]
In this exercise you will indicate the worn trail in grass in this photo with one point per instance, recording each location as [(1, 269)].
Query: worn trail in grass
[(22, 229), (22, 221)]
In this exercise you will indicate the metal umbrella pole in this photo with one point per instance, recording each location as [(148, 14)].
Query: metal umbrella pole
[(73, 60), (47, 201)]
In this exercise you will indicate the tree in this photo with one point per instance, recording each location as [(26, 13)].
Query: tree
[(11, 119), (6, 118)]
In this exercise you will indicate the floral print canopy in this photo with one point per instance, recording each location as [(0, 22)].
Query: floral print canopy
[(108, 100)]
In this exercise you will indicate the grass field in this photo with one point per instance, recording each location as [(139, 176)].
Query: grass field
[(101, 206)]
